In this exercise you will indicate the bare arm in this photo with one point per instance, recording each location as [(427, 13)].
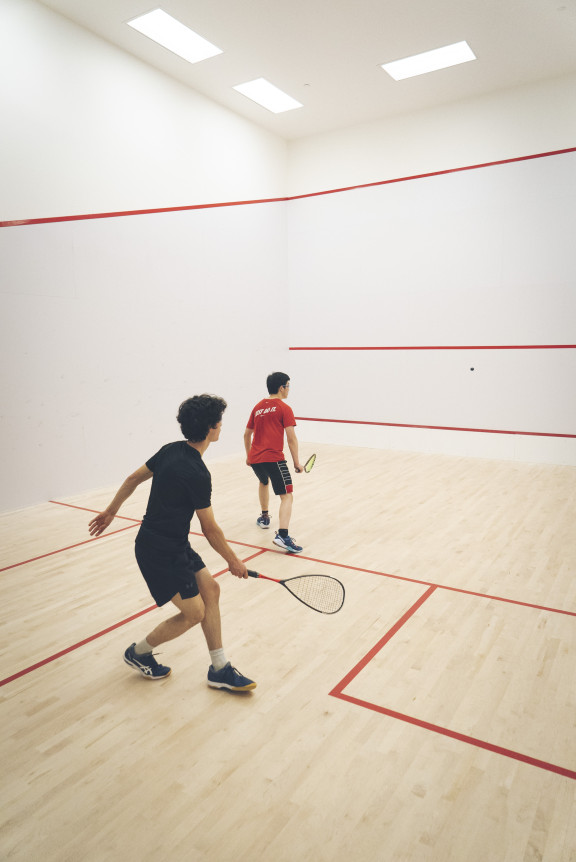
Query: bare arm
[(293, 446), (98, 524), (248, 442), (216, 538)]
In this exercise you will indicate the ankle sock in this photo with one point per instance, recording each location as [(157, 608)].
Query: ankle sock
[(218, 658), (143, 648), (283, 533)]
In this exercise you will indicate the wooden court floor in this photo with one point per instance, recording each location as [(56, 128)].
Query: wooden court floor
[(431, 720)]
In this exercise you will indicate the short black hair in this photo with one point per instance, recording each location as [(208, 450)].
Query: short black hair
[(199, 414), (275, 381)]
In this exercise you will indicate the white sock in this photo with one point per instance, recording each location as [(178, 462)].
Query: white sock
[(143, 648), (218, 658)]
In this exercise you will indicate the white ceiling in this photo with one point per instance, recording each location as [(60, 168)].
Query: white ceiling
[(327, 53)]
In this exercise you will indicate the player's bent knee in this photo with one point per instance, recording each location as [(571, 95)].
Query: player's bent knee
[(211, 591), (191, 610), (193, 616), (208, 586)]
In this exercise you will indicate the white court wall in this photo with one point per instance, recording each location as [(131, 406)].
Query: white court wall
[(87, 128), (473, 258), (107, 324), (479, 259), (526, 120)]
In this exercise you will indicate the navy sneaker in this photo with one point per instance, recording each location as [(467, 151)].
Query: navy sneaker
[(287, 543), (263, 521), (146, 664), (228, 677)]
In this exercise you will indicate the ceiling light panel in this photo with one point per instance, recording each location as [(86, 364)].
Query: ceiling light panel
[(430, 61), (268, 96), (175, 36)]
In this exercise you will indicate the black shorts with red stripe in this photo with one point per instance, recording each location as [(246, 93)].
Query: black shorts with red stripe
[(278, 473)]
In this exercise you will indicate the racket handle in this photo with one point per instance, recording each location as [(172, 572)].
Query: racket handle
[(264, 577)]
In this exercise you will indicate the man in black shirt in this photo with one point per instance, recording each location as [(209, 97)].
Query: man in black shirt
[(181, 485)]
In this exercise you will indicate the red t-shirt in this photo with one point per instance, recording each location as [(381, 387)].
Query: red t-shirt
[(268, 420)]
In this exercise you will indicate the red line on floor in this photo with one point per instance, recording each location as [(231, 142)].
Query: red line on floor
[(103, 536), (338, 691), (260, 550), (381, 643), (75, 646), (61, 550), (99, 634), (461, 737), (440, 586), (84, 509)]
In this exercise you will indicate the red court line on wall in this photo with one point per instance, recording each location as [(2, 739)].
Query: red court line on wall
[(20, 222), (452, 347), (338, 691), (435, 427), (437, 173)]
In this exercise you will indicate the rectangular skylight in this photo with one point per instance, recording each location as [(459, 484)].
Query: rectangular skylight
[(172, 34), (430, 61), (267, 95)]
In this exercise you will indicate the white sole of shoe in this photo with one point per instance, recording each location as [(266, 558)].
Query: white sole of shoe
[(232, 687), (284, 548)]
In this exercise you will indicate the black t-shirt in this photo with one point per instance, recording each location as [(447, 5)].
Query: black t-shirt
[(181, 484)]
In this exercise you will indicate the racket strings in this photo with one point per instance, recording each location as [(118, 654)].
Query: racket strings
[(320, 592), (309, 463)]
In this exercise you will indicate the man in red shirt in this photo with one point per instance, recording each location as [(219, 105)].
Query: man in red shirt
[(264, 441)]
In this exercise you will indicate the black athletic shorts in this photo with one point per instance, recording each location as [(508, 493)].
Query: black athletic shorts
[(168, 572), (278, 472)]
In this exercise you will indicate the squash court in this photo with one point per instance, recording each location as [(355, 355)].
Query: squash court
[(400, 245), (431, 719)]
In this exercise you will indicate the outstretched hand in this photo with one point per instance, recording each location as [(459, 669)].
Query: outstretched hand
[(98, 524)]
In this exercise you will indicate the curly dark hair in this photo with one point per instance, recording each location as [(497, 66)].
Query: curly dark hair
[(199, 414)]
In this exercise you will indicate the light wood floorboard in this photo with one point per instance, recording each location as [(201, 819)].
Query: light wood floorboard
[(101, 765)]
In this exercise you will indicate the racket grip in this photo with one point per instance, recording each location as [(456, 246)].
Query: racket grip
[(253, 574)]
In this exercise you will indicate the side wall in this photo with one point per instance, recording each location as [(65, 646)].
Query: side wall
[(106, 324), (87, 128)]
